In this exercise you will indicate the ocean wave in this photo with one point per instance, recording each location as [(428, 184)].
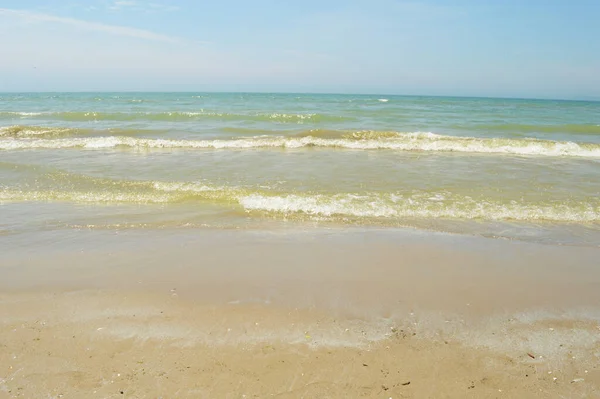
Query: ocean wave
[(391, 207), (47, 132), (12, 114), (425, 142), (420, 206), (84, 189), (359, 134), (23, 131), (176, 116), (524, 128)]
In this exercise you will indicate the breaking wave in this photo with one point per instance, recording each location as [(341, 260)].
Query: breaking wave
[(364, 140), (23, 131), (49, 132), (397, 206)]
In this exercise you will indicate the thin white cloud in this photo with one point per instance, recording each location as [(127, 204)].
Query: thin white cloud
[(163, 7), (32, 17), (118, 5), (141, 6)]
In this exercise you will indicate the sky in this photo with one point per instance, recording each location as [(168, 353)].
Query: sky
[(497, 48)]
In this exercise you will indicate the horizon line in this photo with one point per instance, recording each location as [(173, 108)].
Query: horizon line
[(575, 99)]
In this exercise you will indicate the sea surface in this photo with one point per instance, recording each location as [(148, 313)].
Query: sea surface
[(501, 168)]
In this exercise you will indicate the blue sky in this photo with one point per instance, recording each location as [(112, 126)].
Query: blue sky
[(514, 48)]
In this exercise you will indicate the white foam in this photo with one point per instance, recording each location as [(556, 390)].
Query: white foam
[(395, 206), (32, 131), (25, 113), (437, 205), (317, 205), (183, 186), (417, 141)]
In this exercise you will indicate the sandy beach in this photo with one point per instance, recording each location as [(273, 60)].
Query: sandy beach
[(315, 313), (299, 199), (90, 344)]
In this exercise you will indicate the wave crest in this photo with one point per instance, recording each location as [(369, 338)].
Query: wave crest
[(391, 207), (420, 206), (23, 131), (175, 116), (523, 128), (418, 141)]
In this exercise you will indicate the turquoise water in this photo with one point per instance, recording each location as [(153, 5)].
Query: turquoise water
[(517, 169)]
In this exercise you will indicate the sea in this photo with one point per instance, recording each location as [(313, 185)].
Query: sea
[(510, 169)]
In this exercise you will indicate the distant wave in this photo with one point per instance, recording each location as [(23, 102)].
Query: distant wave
[(20, 131), (175, 116), (513, 127), (341, 206), (26, 131), (417, 141)]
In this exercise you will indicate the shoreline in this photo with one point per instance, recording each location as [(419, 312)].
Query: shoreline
[(419, 269)]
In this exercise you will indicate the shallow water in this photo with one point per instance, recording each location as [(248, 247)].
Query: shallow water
[(517, 169)]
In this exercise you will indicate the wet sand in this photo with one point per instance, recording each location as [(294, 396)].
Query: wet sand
[(314, 313)]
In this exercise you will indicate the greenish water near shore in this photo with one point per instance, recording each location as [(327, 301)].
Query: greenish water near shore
[(518, 169)]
